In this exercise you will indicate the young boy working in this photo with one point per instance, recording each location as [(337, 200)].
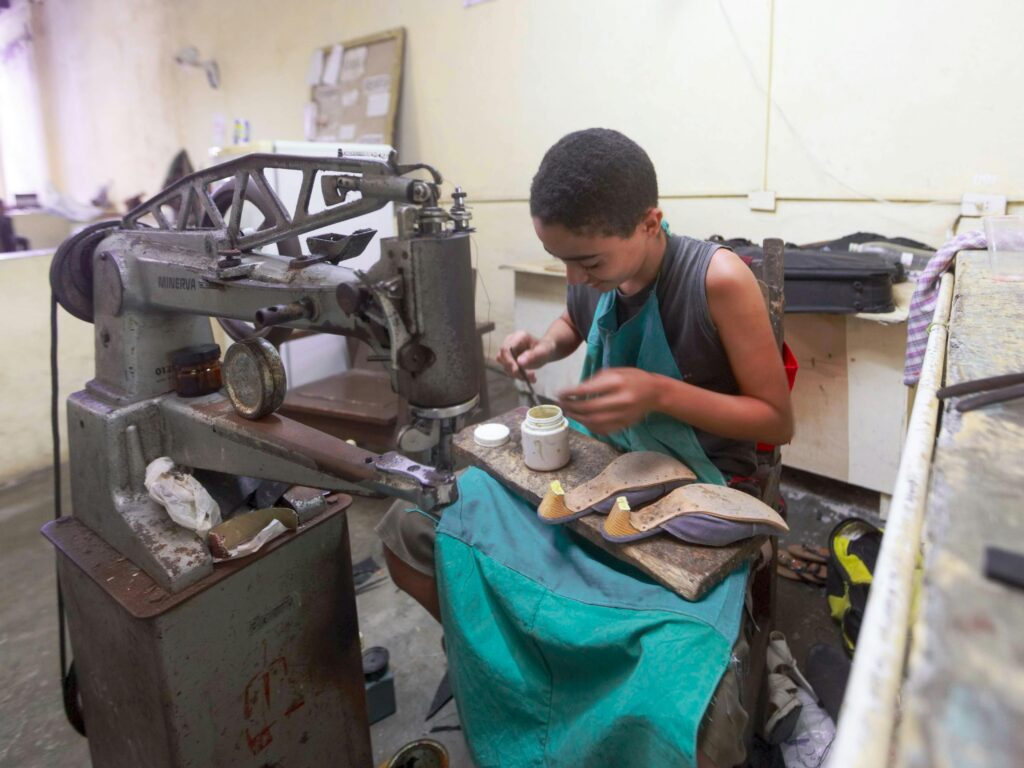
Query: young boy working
[(680, 359)]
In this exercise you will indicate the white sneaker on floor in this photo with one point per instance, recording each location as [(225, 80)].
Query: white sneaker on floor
[(781, 661)]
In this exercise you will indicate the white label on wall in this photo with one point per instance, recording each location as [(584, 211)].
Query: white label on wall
[(346, 132), (316, 68)]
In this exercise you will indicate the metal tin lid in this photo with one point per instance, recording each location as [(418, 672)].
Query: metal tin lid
[(254, 378), (200, 353), (491, 435)]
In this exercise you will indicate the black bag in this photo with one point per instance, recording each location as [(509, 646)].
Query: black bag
[(830, 282)]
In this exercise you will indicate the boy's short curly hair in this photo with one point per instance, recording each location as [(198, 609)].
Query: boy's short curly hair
[(595, 181)]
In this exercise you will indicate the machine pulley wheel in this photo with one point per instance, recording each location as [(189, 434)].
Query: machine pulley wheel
[(222, 198), (71, 270)]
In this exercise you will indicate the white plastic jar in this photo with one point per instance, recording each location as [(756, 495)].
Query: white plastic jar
[(545, 434)]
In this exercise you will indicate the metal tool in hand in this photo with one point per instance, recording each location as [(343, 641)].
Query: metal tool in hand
[(533, 395)]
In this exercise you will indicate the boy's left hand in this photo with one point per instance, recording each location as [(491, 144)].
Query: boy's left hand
[(612, 399)]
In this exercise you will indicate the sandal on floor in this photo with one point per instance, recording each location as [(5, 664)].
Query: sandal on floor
[(794, 569), (809, 553)]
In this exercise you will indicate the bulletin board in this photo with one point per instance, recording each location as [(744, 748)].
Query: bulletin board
[(355, 87)]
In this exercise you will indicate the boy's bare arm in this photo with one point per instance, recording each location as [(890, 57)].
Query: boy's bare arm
[(619, 397), (560, 340)]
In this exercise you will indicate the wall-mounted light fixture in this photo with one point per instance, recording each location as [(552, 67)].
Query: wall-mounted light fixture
[(189, 57)]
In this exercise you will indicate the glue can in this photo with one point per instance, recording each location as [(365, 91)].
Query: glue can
[(545, 434)]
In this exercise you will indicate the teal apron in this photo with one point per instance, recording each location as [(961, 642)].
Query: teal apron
[(559, 654)]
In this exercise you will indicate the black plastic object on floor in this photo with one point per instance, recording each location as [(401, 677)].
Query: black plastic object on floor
[(380, 684), (828, 669), (442, 696)]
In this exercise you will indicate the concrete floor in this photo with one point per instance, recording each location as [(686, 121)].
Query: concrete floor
[(33, 731)]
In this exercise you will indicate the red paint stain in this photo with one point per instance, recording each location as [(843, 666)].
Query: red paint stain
[(269, 695)]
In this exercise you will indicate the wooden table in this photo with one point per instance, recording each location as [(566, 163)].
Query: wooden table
[(963, 699), (687, 569)]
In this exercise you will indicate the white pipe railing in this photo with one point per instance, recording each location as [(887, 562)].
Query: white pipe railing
[(865, 730)]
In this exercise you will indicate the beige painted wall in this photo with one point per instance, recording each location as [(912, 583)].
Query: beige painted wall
[(25, 442), (876, 122)]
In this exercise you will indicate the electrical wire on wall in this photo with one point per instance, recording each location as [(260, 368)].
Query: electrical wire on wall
[(770, 103)]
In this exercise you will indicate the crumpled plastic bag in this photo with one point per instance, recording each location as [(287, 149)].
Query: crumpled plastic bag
[(184, 498)]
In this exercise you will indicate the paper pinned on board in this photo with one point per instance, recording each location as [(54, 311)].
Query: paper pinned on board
[(309, 116), (346, 132), (377, 104), (349, 98), (316, 67), (333, 64), (377, 84), (354, 64)]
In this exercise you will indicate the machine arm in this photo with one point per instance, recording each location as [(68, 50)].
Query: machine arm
[(378, 182)]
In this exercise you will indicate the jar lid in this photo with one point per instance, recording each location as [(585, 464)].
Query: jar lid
[(200, 353), (491, 435), (375, 662)]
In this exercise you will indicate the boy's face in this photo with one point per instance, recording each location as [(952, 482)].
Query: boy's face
[(601, 262)]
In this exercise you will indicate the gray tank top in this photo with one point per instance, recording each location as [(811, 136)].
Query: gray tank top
[(691, 334)]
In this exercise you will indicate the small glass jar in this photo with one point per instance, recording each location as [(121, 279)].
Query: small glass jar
[(196, 370), (545, 434)]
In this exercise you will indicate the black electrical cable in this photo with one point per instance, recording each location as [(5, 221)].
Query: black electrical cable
[(68, 680)]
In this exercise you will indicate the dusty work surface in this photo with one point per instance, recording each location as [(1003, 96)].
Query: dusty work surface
[(687, 569), (963, 701)]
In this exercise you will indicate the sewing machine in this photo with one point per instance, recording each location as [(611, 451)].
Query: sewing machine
[(150, 283)]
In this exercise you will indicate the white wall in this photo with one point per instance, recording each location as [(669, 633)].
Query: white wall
[(25, 442), (882, 114)]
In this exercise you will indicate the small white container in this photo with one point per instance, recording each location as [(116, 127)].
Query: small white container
[(1005, 235), (491, 435), (545, 433)]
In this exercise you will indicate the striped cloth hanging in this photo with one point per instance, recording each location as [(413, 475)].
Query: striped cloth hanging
[(922, 305)]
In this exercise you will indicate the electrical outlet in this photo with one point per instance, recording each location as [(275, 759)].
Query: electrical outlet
[(763, 200), (977, 204)]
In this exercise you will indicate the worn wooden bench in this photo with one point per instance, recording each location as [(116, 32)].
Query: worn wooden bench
[(687, 569)]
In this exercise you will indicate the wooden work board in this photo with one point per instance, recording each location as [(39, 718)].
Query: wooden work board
[(689, 570)]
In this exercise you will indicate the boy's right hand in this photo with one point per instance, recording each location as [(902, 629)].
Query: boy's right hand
[(529, 351)]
